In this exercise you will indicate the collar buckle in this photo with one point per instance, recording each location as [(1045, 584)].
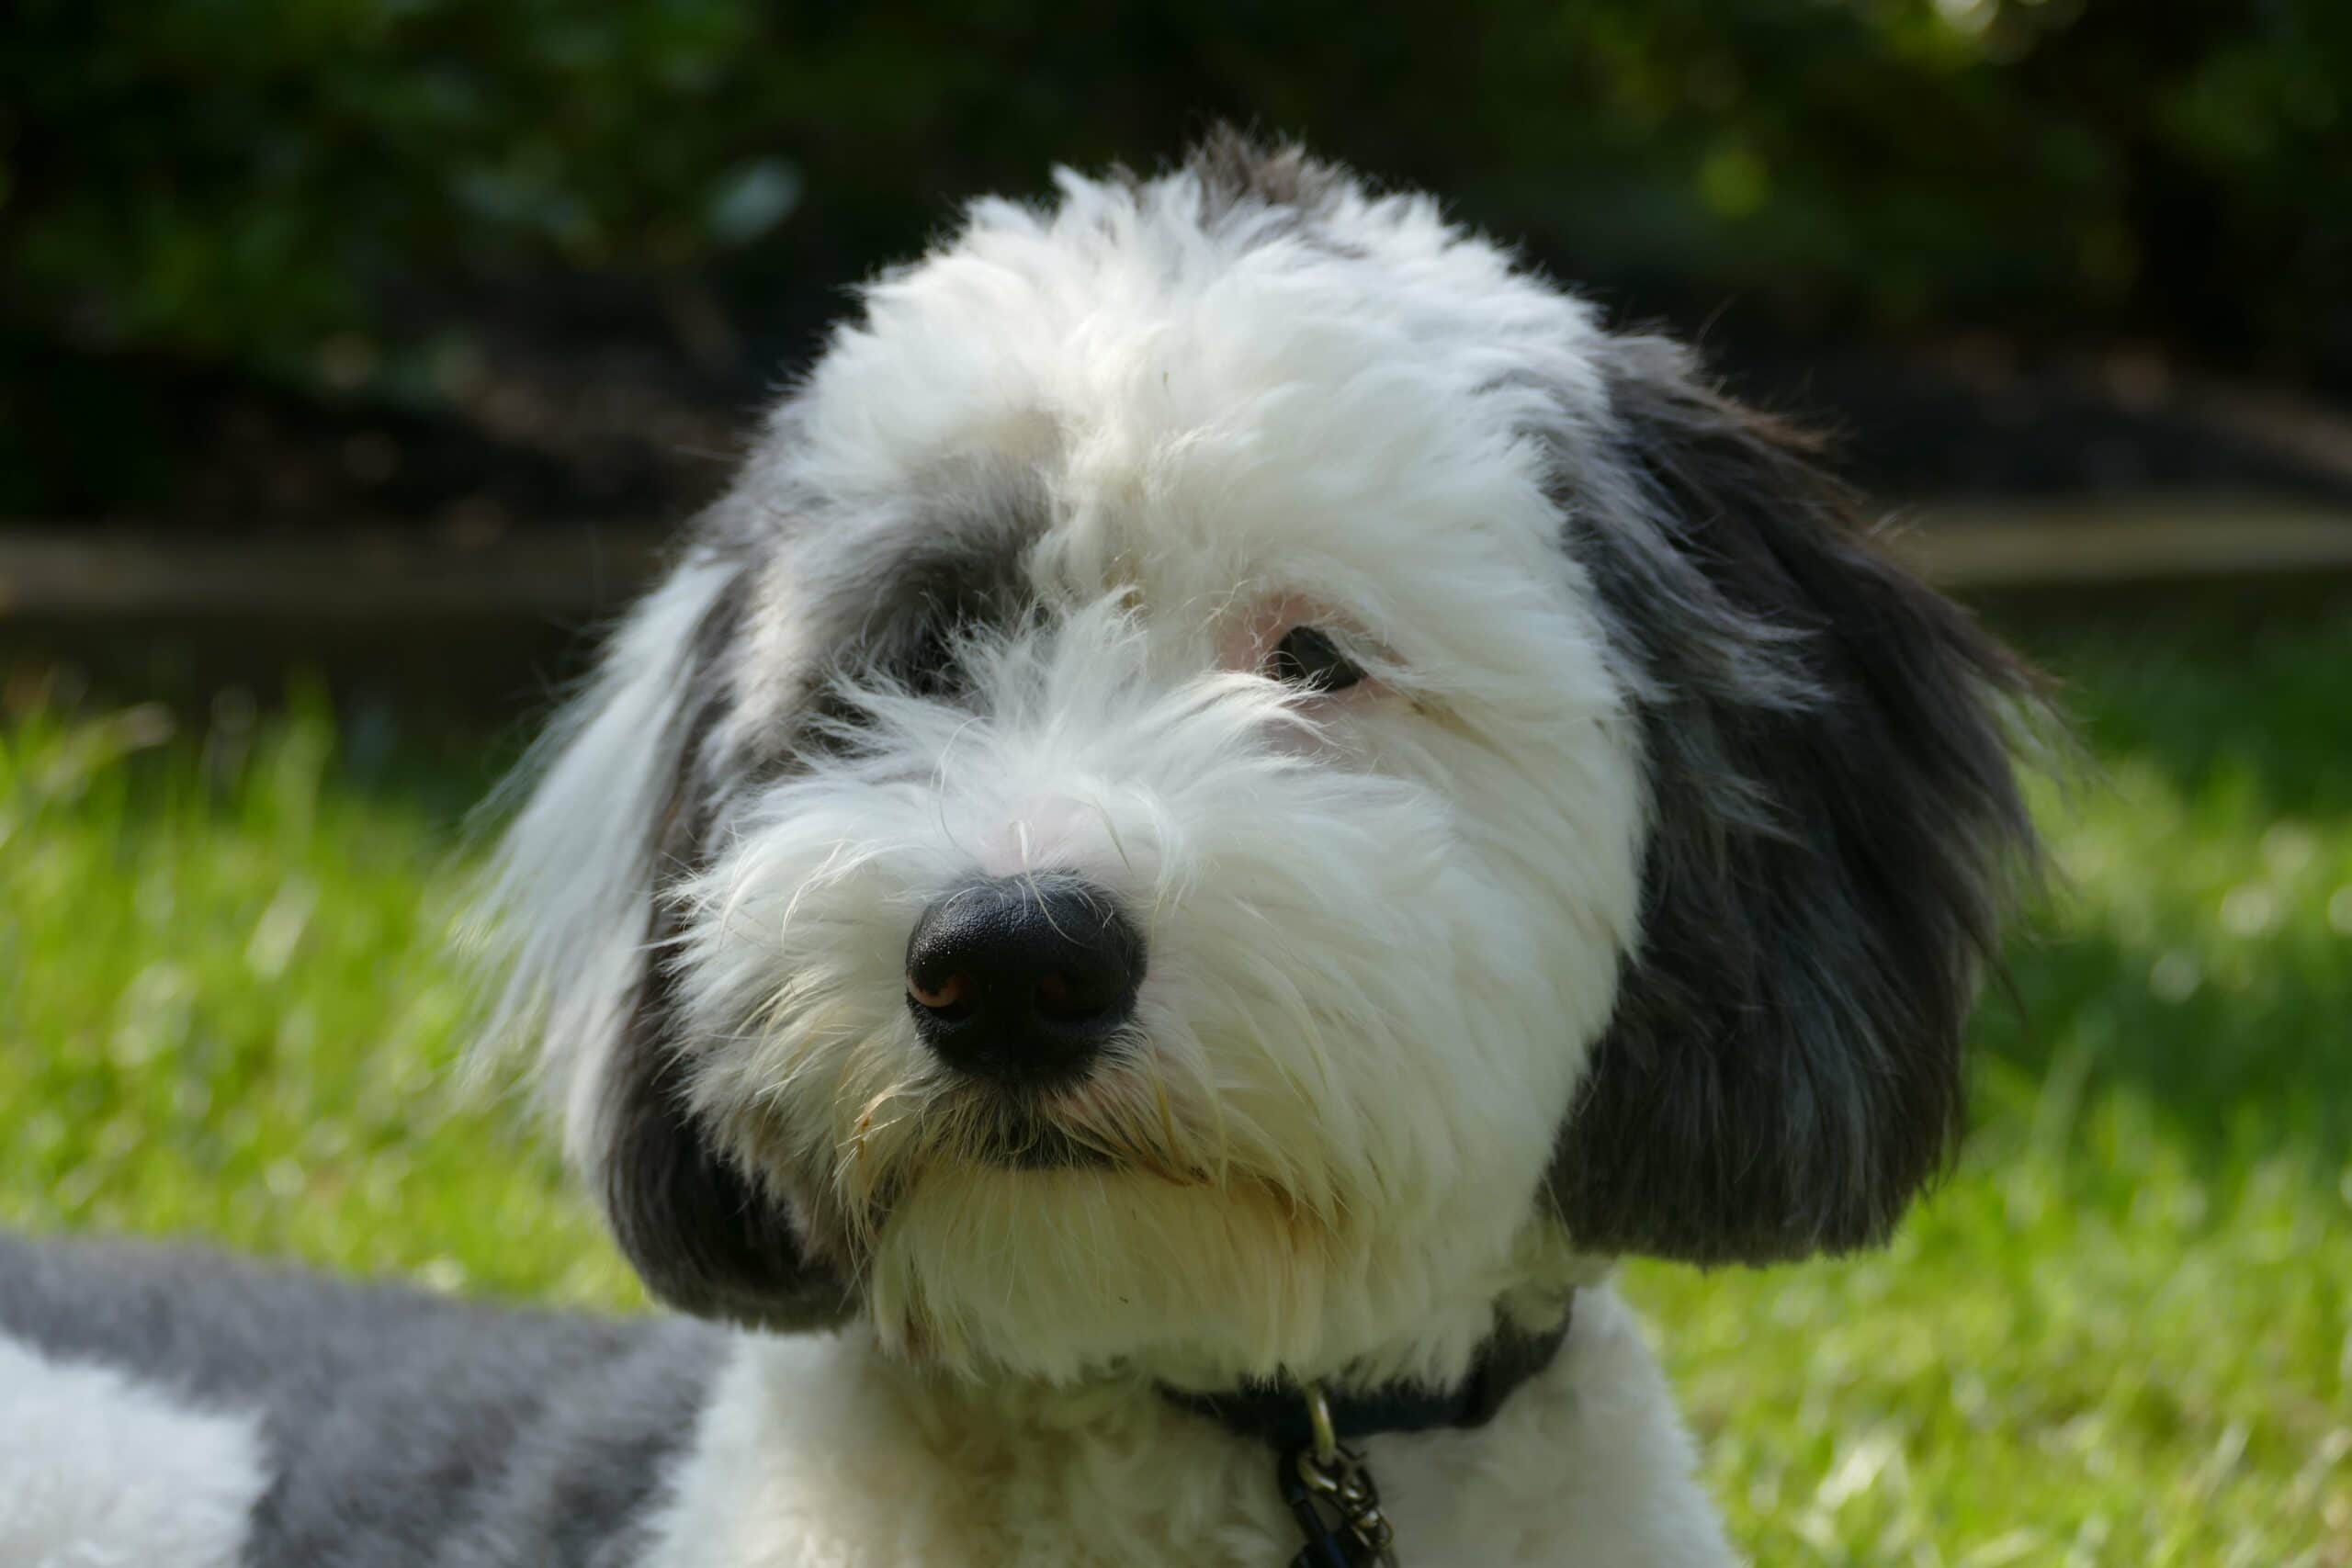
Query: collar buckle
[(1325, 1484), (1330, 1492)]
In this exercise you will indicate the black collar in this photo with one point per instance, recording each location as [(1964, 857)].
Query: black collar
[(1275, 1412)]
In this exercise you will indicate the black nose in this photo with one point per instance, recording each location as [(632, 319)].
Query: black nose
[(1022, 978)]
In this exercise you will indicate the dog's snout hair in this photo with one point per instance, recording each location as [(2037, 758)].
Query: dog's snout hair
[(1554, 829)]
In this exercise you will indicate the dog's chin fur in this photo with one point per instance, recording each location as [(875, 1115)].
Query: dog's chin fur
[(1060, 1274)]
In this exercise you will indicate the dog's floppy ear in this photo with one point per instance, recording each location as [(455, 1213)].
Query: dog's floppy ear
[(1835, 828), (613, 804), (705, 1238)]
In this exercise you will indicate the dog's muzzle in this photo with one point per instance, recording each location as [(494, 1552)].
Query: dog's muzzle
[(1022, 980)]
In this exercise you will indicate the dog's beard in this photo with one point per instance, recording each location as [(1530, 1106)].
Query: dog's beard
[(1059, 1271), (1060, 1230), (1230, 1191), (1077, 1222), (1250, 1183)]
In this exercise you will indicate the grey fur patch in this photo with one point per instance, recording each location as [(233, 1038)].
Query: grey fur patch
[(1835, 829), (705, 1234), (404, 1428), (688, 1220), (897, 605), (1279, 188), (1238, 172)]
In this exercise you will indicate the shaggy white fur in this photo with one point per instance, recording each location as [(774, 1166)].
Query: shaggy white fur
[(101, 1470), (1383, 927), (1356, 1028), (999, 596), (828, 1452)]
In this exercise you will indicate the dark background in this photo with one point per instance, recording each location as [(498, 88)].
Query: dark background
[(278, 264)]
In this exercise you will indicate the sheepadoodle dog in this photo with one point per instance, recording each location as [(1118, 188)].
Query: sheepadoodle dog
[(1240, 796)]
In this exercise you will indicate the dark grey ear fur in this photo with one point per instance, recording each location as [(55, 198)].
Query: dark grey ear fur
[(703, 1235), (1836, 826)]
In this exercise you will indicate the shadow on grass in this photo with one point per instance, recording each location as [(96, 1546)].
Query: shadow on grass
[(2248, 1062), (235, 754), (2198, 950), (2231, 703)]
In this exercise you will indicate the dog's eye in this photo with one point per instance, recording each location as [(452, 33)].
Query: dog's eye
[(1307, 657)]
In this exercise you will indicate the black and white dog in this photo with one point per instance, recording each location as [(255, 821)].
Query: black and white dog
[(1238, 798)]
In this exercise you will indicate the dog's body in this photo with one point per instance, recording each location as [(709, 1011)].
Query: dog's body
[(171, 1408), (176, 1409), (1240, 797)]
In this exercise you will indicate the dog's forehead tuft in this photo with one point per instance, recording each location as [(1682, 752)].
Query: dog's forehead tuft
[(1147, 313), (1159, 386)]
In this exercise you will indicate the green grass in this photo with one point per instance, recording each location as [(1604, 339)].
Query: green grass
[(230, 1006), (2120, 1333)]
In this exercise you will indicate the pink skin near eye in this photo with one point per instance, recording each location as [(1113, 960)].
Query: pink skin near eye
[(1248, 641)]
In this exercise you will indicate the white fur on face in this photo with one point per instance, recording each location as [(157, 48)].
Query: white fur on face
[(1356, 1027), (1382, 927), (1376, 944)]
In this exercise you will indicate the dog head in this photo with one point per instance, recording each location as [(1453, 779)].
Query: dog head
[(1236, 778)]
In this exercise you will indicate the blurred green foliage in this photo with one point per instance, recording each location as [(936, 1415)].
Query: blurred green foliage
[(257, 184)]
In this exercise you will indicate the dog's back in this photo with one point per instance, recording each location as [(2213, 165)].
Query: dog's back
[(174, 1408)]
